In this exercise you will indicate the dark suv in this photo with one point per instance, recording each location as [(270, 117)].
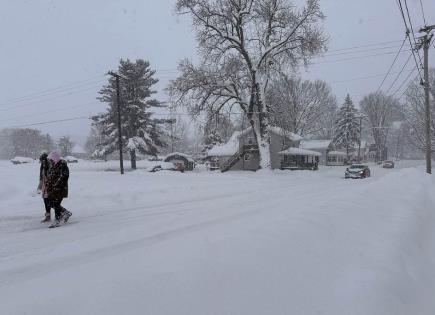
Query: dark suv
[(357, 171)]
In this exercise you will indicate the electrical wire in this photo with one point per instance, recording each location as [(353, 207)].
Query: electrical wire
[(366, 77), (412, 32), (399, 2), (65, 94), (392, 65), (55, 90), (48, 112), (50, 122), (399, 74), (422, 12), (404, 81)]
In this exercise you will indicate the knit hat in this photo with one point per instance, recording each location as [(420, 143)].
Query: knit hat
[(54, 156), (43, 157)]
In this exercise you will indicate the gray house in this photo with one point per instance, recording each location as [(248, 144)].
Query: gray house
[(241, 151)]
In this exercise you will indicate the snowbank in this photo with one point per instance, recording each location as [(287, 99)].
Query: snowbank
[(210, 243)]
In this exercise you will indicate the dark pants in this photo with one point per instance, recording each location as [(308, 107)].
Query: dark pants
[(47, 206), (58, 209)]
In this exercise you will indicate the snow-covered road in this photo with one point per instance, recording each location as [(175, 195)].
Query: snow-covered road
[(211, 243)]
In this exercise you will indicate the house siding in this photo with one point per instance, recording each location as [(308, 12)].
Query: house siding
[(277, 144)]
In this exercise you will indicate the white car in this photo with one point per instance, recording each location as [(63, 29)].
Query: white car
[(71, 159), (21, 160)]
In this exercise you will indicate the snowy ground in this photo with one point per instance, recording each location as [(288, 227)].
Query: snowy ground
[(209, 243)]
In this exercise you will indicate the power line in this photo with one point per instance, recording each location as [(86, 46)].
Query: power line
[(392, 65), (398, 75), (47, 112), (412, 31), (50, 122), (399, 2), (52, 90), (422, 12), (404, 82), (64, 94), (366, 77), (358, 51), (368, 45)]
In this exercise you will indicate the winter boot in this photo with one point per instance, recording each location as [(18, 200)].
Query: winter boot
[(47, 218), (55, 224), (66, 215)]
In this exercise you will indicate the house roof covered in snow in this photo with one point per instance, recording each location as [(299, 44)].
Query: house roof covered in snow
[(227, 149), (315, 144), (232, 146), (281, 132), (178, 154), (276, 130), (299, 151)]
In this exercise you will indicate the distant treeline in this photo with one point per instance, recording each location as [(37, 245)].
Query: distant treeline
[(24, 142)]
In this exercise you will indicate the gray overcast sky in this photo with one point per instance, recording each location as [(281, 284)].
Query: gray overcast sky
[(48, 44)]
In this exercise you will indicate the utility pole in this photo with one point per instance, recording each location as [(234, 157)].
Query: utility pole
[(118, 104), (360, 117), (426, 45), (359, 140)]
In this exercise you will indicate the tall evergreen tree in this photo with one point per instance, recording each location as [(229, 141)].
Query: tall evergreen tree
[(347, 131), (140, 131)]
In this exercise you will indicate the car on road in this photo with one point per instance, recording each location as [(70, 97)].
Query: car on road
[(357, 171), (388, 164)]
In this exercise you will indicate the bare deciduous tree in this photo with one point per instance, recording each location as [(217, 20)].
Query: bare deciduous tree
[(302, 107), (414, 111), (241, 44), (381, 111)]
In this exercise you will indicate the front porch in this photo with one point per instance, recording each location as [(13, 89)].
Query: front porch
[(299, 159)]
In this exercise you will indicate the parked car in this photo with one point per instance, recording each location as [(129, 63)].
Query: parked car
[(167, 166), (388, 164), (71, 159), (21, 160), (357, 171)]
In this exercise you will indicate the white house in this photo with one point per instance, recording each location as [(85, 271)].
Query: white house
[(321, 146)]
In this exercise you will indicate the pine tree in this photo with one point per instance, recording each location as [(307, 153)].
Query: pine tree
[(140, 131), (347, 126)]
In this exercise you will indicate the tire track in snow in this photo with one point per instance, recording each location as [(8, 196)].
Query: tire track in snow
[(29, 272)]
